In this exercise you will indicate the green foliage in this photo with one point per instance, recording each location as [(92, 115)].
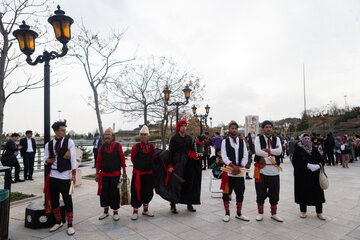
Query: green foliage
[(127, 152), (87, 154), (302, 125), (91, 176), (16, 196), (292, 127), (348, 115)]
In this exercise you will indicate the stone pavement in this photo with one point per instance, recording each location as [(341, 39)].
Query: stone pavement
[(342, 209)]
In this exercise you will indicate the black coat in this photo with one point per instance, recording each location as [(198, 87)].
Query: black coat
[(23, 143), (185, 167), (307, 187)]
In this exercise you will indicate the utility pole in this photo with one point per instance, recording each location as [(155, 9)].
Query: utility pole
[(345, 101), (304, 90)]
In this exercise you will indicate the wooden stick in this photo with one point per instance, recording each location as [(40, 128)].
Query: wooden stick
[(71, 190), (230, 169), (273, 161)]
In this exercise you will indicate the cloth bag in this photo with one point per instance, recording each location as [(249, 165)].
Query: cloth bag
[(124, 188), (323, 179)]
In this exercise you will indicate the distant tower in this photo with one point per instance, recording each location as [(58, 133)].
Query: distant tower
[(252, 125), (114, 127)]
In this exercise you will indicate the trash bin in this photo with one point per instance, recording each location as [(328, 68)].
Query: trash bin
[(4, 213)]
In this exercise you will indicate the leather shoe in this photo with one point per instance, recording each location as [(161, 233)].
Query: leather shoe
[(173, 210), (19, 180), (191, 208)]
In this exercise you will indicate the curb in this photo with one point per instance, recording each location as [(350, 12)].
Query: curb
[(25, 200)]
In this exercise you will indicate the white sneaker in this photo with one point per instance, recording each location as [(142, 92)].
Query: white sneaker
[(71, 231), (56, 227), (320, 216), (116, 217), (277, 218), (103, 216), (148, 213), (134, 216), (303, 214), (226, 218), (242, 217), (259, 217)]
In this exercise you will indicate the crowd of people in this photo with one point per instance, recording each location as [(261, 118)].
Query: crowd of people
[(175, 174)]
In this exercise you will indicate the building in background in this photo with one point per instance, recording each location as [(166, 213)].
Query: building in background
[(252, 125)]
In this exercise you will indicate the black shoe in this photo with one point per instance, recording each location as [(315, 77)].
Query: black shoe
[(248, 178), (19, 180), (31, 179), (173, 210), (191, 208)]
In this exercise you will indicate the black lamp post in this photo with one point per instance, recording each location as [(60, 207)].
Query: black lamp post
[(26, 38), (202, 118), (167, 92)]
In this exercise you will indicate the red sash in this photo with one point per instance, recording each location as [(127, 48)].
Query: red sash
[(137, 180), (105, 174)]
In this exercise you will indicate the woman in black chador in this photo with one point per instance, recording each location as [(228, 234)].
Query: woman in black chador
[(306, 162), (178, 171)]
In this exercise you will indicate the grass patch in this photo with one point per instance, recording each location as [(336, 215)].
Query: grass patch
[(91, 176), (16, 196)]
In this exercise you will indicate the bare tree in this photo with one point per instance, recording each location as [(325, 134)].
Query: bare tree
[(99, 59), (10, 13)]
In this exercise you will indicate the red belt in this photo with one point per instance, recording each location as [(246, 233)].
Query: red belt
[(105, 174), (137, 180)]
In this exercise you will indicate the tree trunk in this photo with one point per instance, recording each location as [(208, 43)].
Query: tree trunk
[(145, 114), (97, 110)]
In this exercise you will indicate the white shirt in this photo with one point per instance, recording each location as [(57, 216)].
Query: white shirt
[(29, 145), (269, 170), (65, 174), (225, 158)]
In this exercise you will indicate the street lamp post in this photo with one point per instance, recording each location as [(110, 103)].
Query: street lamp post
[(167, 92), (35, 215), (202, 118)]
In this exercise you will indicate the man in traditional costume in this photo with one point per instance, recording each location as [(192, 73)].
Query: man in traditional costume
[(108, 170), (60, 160), (183, 180), (266, 173), (142, 182), (234, 154)]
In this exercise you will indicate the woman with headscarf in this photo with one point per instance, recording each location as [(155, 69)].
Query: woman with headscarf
[(306, 162)]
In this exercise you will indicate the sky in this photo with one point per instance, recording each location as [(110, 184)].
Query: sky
[(249, 55)]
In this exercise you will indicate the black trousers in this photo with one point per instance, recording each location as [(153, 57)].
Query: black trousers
[(318, 208), (28, 159), (95, 151), (16, 165), (146, 190), (238, 185), (110, 195), (58, 186), (331, 158), (206, 159), (268, 187)]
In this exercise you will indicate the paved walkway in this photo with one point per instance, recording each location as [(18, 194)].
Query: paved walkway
[(342, 210)]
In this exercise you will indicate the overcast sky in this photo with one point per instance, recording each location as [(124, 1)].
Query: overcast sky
[(249, 54)]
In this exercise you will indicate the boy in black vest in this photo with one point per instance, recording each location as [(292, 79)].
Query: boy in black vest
[(142, 184), (234, 154), (109, 162), (267, 182), (60, 158)]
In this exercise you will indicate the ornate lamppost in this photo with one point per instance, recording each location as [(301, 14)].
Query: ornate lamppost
[(35, 215), (167, 92), (202, 118)]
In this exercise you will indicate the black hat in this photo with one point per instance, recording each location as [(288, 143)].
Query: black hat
[(266, 122), (233, 123)]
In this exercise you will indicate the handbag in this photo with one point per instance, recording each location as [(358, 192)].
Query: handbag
[(124, 188), (323, 179)]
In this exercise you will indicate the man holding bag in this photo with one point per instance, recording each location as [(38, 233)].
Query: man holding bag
[(109, 162)]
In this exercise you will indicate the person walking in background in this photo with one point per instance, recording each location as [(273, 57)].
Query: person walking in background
[(329, 146), (9, 156), (216, 141), (96, 146), (306, 162), (28, 152), (207, 150), (345, 151), (338, 144), (251, 150), (291, 148), (352, 149)]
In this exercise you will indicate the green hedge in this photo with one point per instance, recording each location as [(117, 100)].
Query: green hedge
[(16, 196), (348, 115)]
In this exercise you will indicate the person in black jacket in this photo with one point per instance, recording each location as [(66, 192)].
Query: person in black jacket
[(329, 146), (28, 152), (306, 162), (96, 145), (9, 156)]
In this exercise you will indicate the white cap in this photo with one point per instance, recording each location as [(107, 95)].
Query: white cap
[(145, 130)]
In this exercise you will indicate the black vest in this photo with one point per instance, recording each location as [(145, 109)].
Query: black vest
[(143, 161), (230, 151), (62, 164), (263, 144), (110, 162)]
